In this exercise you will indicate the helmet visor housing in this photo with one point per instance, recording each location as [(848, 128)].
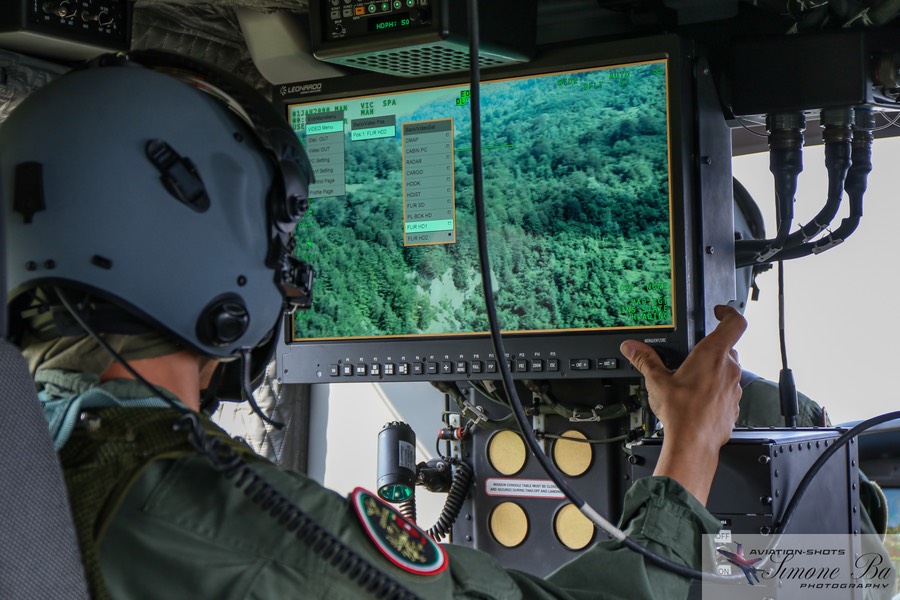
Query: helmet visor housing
[(133, 185)]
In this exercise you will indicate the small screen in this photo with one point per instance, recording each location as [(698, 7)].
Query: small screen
[(893, 498), (577, 194), (389, 22)]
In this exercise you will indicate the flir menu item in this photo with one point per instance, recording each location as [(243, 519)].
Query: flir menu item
[(428, 190)]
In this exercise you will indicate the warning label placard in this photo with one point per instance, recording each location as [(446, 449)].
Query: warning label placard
[(522, 488)]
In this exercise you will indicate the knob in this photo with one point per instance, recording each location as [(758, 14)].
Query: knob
[(63, 10)]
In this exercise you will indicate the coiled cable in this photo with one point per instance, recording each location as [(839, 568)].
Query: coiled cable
[(290, 516), (459, 488)]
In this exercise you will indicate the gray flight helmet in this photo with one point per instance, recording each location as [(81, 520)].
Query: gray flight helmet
[(748, 225), (153, 194)]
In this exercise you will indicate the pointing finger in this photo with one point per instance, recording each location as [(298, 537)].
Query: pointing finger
[(644, 358)]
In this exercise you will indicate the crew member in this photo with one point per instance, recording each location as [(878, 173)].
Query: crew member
[(148, 202)]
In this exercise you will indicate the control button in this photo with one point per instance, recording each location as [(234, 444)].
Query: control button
[(347, 370), (537, 364), (360, 10), (418, 368), (431, 368), (521, 365), (389, 369), (461, 367), (403, 369), (553, 364), (375, 369), (361, 369), (580, 364), (446, 368), (607, 363), (491, 366), (348, 12), (334, 370), (371, 8), (397, 4), (335, 14), (63, 10), (410, 2), (385, 6), (476, 366), (335, 2)]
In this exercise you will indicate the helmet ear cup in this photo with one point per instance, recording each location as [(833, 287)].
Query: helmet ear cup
[(223, 321)]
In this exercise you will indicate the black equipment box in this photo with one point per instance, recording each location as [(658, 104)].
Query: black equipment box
[(66, 29), (758, 472), (411, 38)]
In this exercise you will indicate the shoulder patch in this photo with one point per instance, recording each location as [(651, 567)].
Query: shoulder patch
[(396, 537)]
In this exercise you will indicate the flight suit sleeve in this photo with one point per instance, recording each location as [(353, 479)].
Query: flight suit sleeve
[(659, 514), (761, 407)]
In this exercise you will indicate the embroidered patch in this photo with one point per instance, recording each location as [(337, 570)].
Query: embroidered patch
[(398, 538)]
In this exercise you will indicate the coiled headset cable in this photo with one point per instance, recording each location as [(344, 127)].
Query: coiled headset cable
[(263, 494)]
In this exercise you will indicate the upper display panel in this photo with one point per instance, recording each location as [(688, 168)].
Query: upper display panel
[(577, 193)]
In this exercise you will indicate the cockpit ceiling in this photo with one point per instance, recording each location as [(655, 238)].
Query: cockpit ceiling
[(204, 30)]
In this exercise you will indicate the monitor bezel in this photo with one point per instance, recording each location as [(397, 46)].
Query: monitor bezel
[(696, 274)]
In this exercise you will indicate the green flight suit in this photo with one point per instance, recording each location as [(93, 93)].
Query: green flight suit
[(176, 528)]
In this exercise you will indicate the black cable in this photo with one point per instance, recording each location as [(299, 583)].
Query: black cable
[(228, 462), (408, 508), (459, 488), (781, 335), (786, 163), (154, 391), (248, 393), (742, 124), (787, 389), (487, 286), (290, 516), (497, 340), (820, 462), (855, 185)]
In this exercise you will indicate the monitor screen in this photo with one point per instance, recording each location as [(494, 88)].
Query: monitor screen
[(601, 225), (577, 189)]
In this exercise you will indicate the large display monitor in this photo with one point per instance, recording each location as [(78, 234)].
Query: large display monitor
[(585, 158)]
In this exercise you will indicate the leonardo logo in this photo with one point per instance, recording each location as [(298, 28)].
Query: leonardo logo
[(297, 89)]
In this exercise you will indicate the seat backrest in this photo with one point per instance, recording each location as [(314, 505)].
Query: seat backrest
[(39, 555)]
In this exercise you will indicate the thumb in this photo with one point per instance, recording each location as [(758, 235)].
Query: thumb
[(643, 357)]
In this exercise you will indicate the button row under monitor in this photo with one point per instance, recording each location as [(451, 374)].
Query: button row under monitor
[(466, 367)]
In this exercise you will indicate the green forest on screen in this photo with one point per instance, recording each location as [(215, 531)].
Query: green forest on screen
[(576, 188)]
